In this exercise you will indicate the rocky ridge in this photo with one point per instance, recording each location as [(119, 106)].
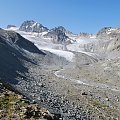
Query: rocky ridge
[(109, 33), (58, 34)]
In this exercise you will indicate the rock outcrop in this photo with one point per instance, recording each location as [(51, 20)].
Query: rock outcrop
[(108, 33)]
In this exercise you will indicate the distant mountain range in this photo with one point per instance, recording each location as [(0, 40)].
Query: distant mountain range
[(32, 26), (58, 34)]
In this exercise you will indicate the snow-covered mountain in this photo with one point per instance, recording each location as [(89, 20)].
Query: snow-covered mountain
[(64, 43), (32, 26), (58, 35)]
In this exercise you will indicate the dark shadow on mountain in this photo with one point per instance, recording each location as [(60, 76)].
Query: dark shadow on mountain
[(12, 55)]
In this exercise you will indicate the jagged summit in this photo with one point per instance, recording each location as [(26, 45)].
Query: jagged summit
[(61, 28), (32, 26), (58, 34)]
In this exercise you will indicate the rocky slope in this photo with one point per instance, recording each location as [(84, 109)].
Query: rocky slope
[(13, 47), (13, 105), (109, 33)]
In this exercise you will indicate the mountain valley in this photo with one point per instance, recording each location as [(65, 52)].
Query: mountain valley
[(74, 76)]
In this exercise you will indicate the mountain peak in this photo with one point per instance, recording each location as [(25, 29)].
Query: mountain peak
[(61, 28), (32, 26), (10, 26)]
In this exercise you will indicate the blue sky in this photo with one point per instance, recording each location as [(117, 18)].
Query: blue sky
[(75, 15)]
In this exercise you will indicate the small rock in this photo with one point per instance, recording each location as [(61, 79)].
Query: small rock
[(84, 93), (20, 97), (107, 99), (41, 84), (47, 116), (117, 100)]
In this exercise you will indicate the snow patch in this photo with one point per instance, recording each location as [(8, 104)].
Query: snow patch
[(13, 28)]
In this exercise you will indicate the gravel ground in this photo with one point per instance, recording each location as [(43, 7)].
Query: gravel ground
[(66, 98)]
